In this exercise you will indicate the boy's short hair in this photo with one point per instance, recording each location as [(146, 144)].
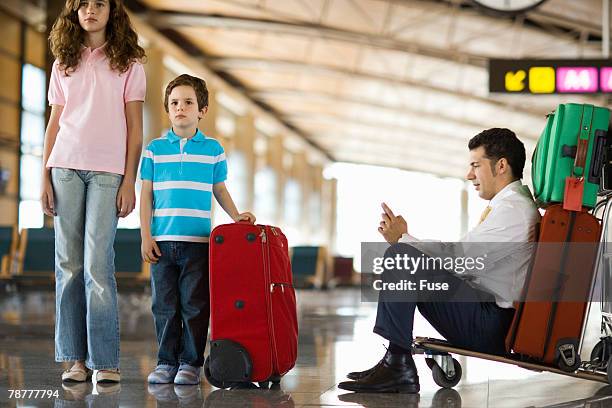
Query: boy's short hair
[(198, 85), (498, 143)]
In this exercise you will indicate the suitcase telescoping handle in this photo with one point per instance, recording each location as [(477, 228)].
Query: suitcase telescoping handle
[(574, 184), (600, 156), (582, 147)]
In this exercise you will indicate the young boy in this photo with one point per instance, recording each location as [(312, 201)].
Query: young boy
[(180, 172)]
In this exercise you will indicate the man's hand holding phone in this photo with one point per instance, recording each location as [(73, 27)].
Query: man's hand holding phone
[(392, 227)]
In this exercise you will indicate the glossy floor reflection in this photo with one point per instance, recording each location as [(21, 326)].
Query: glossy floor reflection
[(335, 338)]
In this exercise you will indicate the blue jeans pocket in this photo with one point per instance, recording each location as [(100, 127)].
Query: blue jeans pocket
[(62, 175), (107, 180)]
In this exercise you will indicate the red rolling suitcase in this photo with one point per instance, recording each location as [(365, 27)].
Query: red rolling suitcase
[(548, 323), (253, 331)]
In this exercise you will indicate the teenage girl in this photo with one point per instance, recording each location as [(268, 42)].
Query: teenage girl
[(92, 147)]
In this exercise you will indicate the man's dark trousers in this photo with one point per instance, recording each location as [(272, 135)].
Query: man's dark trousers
[(475, 325)]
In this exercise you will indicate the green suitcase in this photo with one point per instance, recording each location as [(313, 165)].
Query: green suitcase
[(572, 144)]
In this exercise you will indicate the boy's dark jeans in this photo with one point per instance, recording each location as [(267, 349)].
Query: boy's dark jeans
[(180, 302)]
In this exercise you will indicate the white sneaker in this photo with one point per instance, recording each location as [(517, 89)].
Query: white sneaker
[(106, 376)]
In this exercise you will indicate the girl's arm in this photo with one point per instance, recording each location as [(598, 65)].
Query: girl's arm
[(126, 197), (46, 194), (225, 200)]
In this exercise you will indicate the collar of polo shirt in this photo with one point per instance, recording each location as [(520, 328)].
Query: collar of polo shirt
[(84, 47), (173, 138)]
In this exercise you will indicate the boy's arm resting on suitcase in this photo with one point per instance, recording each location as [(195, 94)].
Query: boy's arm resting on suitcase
[(148, 249), (224, 199)]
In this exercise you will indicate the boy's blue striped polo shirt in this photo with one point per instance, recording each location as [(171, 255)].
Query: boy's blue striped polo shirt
[(182, 185)]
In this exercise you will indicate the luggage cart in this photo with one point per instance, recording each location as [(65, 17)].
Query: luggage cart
[(601, 355), (447, 371)]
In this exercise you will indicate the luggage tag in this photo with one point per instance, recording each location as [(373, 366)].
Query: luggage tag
[(572, 198)]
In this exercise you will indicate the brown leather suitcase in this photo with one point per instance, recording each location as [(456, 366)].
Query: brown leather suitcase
[(548, 321)]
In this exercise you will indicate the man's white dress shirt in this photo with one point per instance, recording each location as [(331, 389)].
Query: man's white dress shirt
[(513, 218)]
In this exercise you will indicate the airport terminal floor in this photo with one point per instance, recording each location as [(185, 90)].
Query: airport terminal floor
[(335, 337)]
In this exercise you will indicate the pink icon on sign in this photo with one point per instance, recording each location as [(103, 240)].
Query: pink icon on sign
[(606, 79), (576, 79)]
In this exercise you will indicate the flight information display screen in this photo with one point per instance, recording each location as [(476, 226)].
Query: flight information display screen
[(550, 76)]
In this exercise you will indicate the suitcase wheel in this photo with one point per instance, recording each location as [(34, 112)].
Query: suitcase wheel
[(445, 379), (274, 379), (211, 380), (229, 363), (564, 366), (568, 359)]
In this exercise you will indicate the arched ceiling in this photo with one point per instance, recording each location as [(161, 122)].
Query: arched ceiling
[(385, 82)]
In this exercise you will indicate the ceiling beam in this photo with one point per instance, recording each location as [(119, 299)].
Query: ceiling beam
[(412, 134), (176, 51), (402, 162), (28, 11), (177, 20), (264, 64), (367, 103)]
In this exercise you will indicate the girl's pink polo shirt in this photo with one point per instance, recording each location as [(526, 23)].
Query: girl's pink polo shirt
[(93, 129)]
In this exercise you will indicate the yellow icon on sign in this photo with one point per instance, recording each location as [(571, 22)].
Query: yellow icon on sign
[(515, 81), (541, 79)]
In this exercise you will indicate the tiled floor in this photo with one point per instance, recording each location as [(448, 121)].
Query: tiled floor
[(335, 337)]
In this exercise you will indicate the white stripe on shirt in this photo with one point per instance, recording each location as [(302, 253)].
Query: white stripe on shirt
[(148, 154), (188, 158), (187, 185), (180, 212)]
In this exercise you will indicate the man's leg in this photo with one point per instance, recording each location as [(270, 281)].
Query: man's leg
[(478, 326), (461, 313), (396, 371), (394, 322), (469, 324)]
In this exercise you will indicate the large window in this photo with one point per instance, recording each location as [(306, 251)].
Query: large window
[(32, 137), (265, 191), (293, 220), (237, 180), (431, 205), (265, 196), (315, 218)]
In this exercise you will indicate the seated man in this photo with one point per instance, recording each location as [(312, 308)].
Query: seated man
[(497, 158)]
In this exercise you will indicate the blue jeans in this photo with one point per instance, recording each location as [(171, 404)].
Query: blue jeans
[(180, 302), (479, 325), (86, 314)]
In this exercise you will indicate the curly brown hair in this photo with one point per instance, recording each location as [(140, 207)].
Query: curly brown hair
[(67, 37)]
